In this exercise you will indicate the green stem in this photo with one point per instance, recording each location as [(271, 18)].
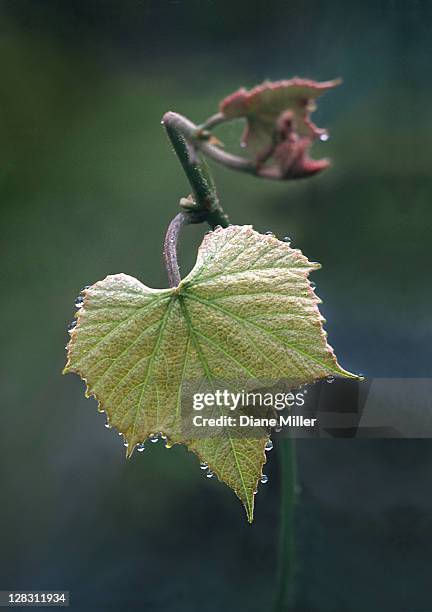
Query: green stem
[(284, 596), (181, 133)]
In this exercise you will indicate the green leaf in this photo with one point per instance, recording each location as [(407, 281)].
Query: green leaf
[(245, 310)]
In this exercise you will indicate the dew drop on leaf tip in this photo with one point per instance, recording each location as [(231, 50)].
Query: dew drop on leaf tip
[(209, 474), (264, 479), (203, 466), (107, 425), (153, 438), (268, 446), (141, 447)]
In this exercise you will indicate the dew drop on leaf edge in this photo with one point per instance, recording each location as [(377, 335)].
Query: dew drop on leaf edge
[(264, 479), (269, 445)]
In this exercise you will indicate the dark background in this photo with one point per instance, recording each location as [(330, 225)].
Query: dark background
[(88, 185)]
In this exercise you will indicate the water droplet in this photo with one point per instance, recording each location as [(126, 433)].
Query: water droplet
[(71, 325), (85, 287), (168, 444), (120, 433), (162, 122), (264, 478), (217, 227), (330, 379), (141, 447), (162, 436), (268, 446), (203, 466), (125, 444), (79, 301), (107, 425), (287, 239), (312, 286), (153, 438), (324, 137), (243, 144), (209, 474), (255, 492), (270, 233)]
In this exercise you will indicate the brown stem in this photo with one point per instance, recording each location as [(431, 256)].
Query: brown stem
[(170, 247)]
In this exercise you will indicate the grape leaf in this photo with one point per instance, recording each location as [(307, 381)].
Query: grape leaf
[(279, 127), (245, 309)]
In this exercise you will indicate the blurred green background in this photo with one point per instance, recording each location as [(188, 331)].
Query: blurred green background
[(88, 185)]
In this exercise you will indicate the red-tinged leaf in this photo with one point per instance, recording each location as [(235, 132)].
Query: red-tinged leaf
[(279, 130)]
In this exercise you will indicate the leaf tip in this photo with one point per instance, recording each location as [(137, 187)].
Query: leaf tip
[(129, 450)]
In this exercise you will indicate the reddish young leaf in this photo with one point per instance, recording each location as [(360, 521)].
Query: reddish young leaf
[(279, 130)]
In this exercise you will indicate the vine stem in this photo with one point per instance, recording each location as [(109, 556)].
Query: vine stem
[(170, 247), (189, 140), (198, 137), (284, 593), (206, 202)]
